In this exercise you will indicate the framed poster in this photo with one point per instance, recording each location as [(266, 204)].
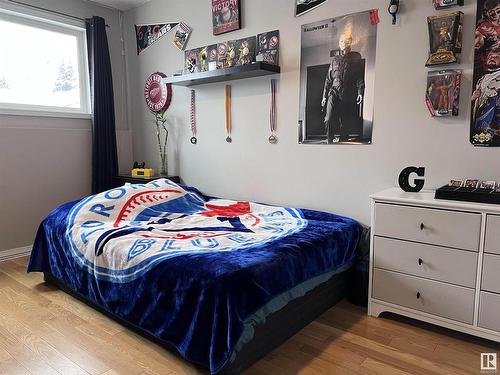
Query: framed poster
[(485, 112), (337, 78), (304, 6), (182, 35), (226, 16)]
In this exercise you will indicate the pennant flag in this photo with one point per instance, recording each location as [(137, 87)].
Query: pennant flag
[(147, 35)]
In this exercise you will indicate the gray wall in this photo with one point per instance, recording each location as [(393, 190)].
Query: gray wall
[(47, 161), (332, 178)]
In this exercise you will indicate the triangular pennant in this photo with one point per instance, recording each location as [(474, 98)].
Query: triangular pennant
[(147, 35)]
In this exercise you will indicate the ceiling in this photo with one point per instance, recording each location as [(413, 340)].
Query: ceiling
[(121, 4)]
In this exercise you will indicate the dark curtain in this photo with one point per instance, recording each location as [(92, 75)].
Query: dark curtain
[(104, 154)]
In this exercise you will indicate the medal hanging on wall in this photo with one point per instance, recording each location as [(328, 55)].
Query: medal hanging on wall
[(194, 140), (227, 90), (272, 116)]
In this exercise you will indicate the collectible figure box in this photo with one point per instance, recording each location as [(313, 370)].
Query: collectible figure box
[(244, 51), (191, 58), (203, 59), (268, 47), (443, 4), (443, 92), (225, 54), (212, 57), (445, 38), (470, 190)]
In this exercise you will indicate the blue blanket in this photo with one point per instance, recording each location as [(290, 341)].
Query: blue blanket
[(193, 271)]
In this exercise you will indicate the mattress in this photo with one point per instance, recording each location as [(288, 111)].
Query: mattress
[(197, 273)]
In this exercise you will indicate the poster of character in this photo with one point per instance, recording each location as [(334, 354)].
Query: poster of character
[(147, 35), (226, 16), (268, 47), (337, 78), (304, 6), (485, 113)]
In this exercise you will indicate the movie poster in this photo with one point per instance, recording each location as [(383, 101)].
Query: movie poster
[(226, 16), (485, 121), (337, 78), (146, 35)]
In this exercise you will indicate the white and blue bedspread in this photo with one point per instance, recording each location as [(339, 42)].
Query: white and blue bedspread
[(193, 271)]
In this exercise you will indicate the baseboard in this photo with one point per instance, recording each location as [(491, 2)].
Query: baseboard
[(15, 253)]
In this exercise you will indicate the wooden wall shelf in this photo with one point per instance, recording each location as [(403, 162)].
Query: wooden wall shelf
[(258, 69)]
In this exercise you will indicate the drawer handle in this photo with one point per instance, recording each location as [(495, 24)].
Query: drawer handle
[(418, 295), (422, 226), (420, 261)]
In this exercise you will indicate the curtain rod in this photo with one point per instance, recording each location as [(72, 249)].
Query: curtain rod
[(48, 10)]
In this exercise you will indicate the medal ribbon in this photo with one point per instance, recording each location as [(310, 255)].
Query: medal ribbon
[(193, 115), (227, 90), (272, 121), (272, 115)]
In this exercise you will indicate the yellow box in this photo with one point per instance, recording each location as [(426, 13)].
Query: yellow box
[(139, 172)]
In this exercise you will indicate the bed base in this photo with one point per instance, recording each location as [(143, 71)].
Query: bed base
[(278, 328)]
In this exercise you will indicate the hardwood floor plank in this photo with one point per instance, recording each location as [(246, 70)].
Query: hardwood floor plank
[(379, 368), (23, 355), (44, 331), (12, 367)]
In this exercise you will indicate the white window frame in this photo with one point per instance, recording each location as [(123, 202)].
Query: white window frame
[(59, 24)]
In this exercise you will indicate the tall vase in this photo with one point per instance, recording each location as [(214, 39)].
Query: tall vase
[(164, 164)]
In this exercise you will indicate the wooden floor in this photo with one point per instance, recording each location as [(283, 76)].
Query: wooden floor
[(45, 331)]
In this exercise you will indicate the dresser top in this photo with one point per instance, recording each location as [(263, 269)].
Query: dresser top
[(426, 198)]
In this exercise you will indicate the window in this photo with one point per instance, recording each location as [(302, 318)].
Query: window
[(43, 66)]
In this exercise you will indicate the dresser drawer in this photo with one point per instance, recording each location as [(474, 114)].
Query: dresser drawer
[(489, 308), (491, 274), (492, 234), (432, 262), (437, 227), (444, 300)]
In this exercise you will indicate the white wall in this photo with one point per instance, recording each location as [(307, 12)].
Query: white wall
[(332, 178), (46, 161)]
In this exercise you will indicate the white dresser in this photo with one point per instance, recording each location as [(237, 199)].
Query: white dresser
[(436, 261)]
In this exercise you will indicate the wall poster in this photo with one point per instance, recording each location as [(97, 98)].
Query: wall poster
[(337, 77), (485, 120), (226, 16)]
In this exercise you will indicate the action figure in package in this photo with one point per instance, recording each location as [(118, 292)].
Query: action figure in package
[(443, 92), (445, 38)]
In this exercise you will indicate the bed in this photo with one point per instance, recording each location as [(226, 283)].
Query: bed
[(222, 282)]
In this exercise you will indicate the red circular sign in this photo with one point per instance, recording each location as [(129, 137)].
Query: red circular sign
[(157, 94)]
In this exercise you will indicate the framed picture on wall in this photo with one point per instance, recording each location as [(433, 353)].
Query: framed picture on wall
[(226, 16), (304, 6), (337, 79)]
